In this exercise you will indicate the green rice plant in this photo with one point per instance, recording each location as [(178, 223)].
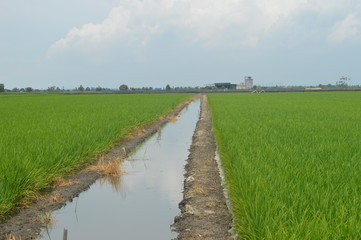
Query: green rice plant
[(46, 136), (292, 163)]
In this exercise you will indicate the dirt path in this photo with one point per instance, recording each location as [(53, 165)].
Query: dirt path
[(28, 221), (204, 213)]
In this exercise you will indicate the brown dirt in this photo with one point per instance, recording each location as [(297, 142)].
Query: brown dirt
[(26, 224), (204, 213)]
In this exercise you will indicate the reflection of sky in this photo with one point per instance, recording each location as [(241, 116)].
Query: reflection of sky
[(148, 195)]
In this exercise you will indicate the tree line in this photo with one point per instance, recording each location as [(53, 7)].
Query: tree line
[(343, 82), (81, 88)]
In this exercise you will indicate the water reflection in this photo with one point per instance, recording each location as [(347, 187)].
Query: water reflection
[(142, 203), (114, 181)]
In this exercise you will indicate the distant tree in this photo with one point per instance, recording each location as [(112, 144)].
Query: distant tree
[(98, 89), (51, 89), (123, 87), (15, 90), (87, 89), (168, 87), (81, 88), (2, 87), (58, 89), (343, 82), (28, 89)]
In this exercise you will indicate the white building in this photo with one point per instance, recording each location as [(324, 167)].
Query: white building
[(240, 86), (247, 84)]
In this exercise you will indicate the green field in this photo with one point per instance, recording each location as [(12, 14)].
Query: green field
[(292, 163), (45, 136)]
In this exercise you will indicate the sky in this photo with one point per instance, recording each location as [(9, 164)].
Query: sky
[(152, 43)]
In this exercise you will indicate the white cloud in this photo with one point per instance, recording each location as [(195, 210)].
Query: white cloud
[(325, 7), (345, 29), (122, 25), (210, 23), (204, 22)]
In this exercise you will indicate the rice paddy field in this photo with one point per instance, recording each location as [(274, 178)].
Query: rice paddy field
[(292, 163), (46, 136)]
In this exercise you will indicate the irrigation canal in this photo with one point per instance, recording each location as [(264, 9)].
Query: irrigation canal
[(142, 203)]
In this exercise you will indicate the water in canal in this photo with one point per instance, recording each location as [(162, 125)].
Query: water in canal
[(140, 204)]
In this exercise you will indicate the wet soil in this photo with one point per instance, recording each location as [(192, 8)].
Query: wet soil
[(204, 213), (28, 222)]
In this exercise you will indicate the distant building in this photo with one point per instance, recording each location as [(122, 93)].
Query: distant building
[(241, 86), (225, 85), (247, 84)]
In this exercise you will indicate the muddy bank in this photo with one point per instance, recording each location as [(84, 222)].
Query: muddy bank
[(204, 213), (28, 222)]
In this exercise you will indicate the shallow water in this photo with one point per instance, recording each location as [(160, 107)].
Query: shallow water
[(140, 204)]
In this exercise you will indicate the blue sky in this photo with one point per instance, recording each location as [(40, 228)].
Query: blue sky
[(178, 42)]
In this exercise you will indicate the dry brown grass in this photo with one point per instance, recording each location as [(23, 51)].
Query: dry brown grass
[(113, 180), (172, 119), (197, 189), (111, 167), (205, 167), (169, 118), (11, 236), (46, 219), (61, 182), (55, 197), (212, 202), (137, 133), (198, 236)]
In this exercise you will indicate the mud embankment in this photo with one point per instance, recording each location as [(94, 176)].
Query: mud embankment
[(204, 213)]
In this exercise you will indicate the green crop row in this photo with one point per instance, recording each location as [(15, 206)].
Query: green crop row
[(45, 136), (292, 163)]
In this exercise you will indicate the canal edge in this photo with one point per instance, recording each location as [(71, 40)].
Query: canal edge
[(204, 212)]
